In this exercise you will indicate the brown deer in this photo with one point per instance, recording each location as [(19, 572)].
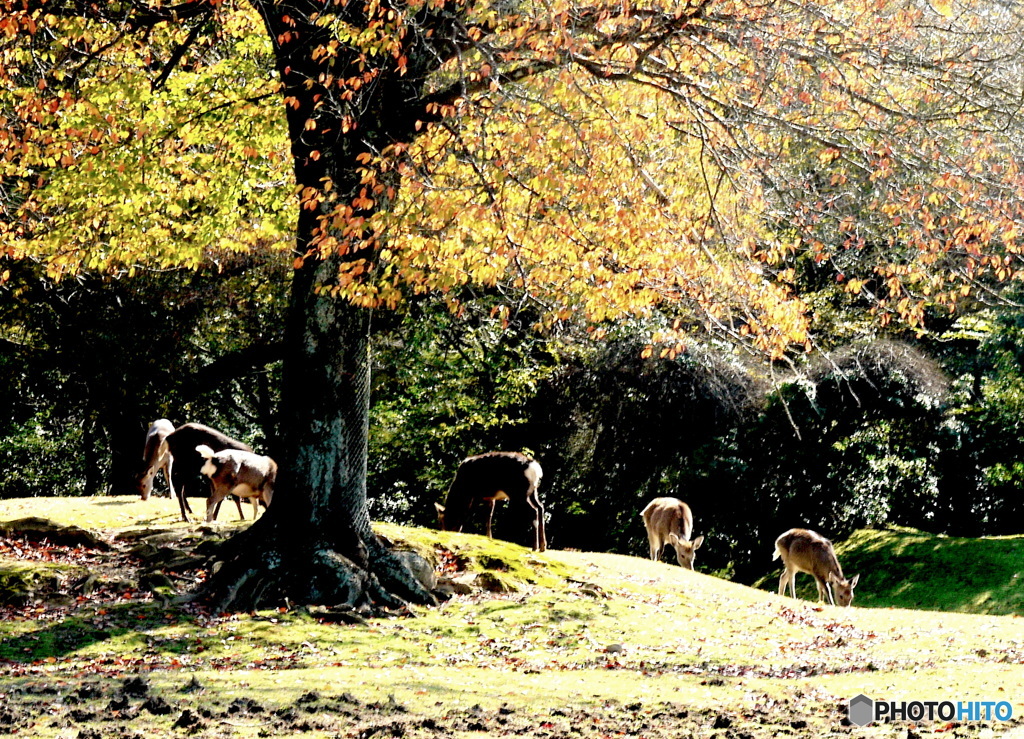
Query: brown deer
[(186, 462), (492, 477), (803, 550), (669, 521), (155, 457), (238, 473)]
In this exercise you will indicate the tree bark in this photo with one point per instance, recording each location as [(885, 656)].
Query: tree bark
[(315, 543)]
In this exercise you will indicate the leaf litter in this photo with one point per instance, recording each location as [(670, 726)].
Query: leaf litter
[(113, 658)]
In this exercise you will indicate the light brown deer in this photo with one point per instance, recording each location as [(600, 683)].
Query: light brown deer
[(669, 521), (492, 477), (803, 550), (239, 473)]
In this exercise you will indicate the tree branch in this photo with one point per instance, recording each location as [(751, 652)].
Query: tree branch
[(229, 366), (177, 55), (136, 15)]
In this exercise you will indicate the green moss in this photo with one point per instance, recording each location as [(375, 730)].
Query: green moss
[(905, 568), (511, 565), (20, 581)]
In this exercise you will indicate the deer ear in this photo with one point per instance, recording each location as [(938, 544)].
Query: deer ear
[(439, 507), (673, 539), (698, 541), (853, 581)]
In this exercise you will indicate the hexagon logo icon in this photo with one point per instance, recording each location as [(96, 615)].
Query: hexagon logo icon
[(862, 710)]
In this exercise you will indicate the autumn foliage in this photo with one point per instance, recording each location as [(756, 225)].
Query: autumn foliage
[(597, 161), (677, 163)]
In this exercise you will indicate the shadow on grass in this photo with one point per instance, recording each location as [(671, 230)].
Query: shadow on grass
[(905, 568), (88, 627)]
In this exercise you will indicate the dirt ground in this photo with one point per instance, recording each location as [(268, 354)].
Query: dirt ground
[(101, 711), (97, 710)]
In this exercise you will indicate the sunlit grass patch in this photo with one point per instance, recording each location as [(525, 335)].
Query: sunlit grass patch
[(573, 631)]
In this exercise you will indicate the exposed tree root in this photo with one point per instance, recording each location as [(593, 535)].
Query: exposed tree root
[(260, 568)]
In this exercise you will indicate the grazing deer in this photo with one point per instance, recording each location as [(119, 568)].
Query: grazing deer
[(155, 457), (186, 462), (669, 521), (238, 473), (803, 550), (492, 477)]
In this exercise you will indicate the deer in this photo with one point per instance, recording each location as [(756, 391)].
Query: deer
[(239, 473), (491, 477), (803, 550), (186, 462), (669, 521), (155, 457)]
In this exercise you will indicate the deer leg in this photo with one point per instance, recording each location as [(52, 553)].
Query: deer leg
[(828, 590), (531, 515), (209, 494), (790, 576), (540, 538), (167, 475), (823, 593), (783, 580), (178, 491), (238, 502), (490, 517)]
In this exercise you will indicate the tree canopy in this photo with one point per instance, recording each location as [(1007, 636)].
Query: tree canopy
[(605, 159)]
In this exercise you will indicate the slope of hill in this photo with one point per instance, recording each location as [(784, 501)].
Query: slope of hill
[(905, 568), (554, 645)]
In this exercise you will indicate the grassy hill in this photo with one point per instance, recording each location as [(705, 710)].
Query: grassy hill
[(573, 644), (905, 568)]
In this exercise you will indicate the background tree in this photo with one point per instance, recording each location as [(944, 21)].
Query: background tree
[(90, 362), (443, 390), (607, 160)]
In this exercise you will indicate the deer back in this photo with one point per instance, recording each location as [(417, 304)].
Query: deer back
[(809, 552), (489, 476), (237, 471), (183, 442), (664, 516)]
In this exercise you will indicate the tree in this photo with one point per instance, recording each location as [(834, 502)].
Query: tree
[(605, 159), (623, 429)]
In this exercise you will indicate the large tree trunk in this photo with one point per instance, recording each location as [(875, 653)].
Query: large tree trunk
[(314, 544)]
